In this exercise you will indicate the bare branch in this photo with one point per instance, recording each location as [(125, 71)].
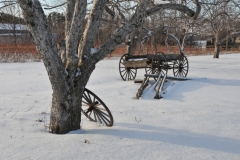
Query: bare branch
[(109, 11), (56, 6), (172, 6), (8, 1), (7, 5), (229, 36)]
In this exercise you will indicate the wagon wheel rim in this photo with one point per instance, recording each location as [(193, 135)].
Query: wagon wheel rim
[(95, 109), (126, 73), (180, 67)]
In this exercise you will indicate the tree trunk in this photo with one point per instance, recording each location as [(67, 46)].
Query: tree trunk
[(217, 45), (65, 113), (132, 44)]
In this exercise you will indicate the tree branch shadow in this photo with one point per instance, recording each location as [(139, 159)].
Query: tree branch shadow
[(172, 136)]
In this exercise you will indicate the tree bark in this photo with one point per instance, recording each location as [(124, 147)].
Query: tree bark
[(132, 43), (91, 29), (66, 108), (217, 46)]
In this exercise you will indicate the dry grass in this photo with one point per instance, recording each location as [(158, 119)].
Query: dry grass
[(18, 53), (23, 53), (187, 51), (9, 48)]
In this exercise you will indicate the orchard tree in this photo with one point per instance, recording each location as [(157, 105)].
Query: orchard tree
[(219, 19), (70, 72)]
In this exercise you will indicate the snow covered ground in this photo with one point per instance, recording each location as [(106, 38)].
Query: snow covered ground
[(196, 119)]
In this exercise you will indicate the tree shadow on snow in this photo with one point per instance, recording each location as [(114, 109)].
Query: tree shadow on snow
[(172, 136)]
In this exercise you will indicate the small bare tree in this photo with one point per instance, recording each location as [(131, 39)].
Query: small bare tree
[(220, 17), (70, 72)]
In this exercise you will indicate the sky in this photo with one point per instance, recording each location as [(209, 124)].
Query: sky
[(48, 2)]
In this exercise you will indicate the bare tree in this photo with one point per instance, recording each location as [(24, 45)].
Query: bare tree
[(220, 17), (69, 75)]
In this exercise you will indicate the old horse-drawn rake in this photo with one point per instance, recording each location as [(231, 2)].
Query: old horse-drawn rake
[(156, 65)]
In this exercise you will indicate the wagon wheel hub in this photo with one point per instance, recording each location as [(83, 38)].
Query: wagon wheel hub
[(181, 67), (92, 106)]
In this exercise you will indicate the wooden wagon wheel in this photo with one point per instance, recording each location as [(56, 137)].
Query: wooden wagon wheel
[(95, 109), (180, 67), (127, 73)]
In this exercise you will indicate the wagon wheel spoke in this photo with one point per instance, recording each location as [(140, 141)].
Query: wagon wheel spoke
[(95, 117), (87, 99), (126, 73), (131, 74), (101, 117), (95, 109), (177, 75), (90, 112), (85, 103), (103, 113), (123, 70), (98, 118), (183, 72), (180, 67)]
